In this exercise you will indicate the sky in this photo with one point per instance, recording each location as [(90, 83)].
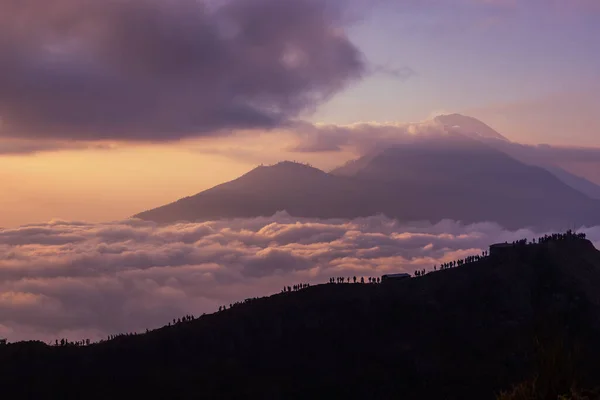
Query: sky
[(101, 121)]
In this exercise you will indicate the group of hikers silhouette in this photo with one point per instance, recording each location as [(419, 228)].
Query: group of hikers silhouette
[(86, 342), (354, 280), (555, 237), (237, 303), (460, 262), (453, 264), (569, 235), (295, 288), (66, 342), (185, 318)]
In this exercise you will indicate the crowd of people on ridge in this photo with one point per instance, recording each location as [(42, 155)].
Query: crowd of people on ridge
[(295, 288), (569, 235), (341, 279), (237, 303), (560, 236)]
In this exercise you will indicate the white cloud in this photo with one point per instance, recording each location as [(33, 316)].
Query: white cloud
[(79, 280)]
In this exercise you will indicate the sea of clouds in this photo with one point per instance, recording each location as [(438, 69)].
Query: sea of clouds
[(81, 280)]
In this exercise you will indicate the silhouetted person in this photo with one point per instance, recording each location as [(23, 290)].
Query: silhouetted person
[(354, 278), (362, 279)]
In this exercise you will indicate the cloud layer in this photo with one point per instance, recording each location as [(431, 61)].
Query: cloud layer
[(159, 70), (88, 280)]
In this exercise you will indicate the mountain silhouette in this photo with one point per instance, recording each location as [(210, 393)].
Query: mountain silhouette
[(468, 332), (459, 178), (475, 129), (299, 189), (434, 178)]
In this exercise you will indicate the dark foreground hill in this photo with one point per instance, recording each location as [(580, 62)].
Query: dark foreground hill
[(461, 333)]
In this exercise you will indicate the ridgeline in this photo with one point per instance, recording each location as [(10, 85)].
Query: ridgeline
[(526, 313)]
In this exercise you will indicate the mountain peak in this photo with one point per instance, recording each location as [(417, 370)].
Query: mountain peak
[(287, 168), (293, 166), (469, 126)]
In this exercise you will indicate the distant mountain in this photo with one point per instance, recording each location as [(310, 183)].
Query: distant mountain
[(299, 189), (459, 178), (527, 154), (530, 315), (453, 177)]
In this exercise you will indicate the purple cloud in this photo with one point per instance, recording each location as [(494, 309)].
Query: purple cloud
[(163, 70)]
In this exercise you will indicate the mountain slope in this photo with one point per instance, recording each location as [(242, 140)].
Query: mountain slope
[(296, 188), (447, 177), (456, 177), (462, 333), (538, 156), (578, 183), (531, 155)]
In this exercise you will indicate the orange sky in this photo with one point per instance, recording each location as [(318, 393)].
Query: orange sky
[(103, 185)]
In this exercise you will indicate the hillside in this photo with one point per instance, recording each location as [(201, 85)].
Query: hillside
[(460, 333)]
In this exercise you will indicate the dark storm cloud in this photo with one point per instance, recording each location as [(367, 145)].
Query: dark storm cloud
[(166, 69), (77, 280)]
